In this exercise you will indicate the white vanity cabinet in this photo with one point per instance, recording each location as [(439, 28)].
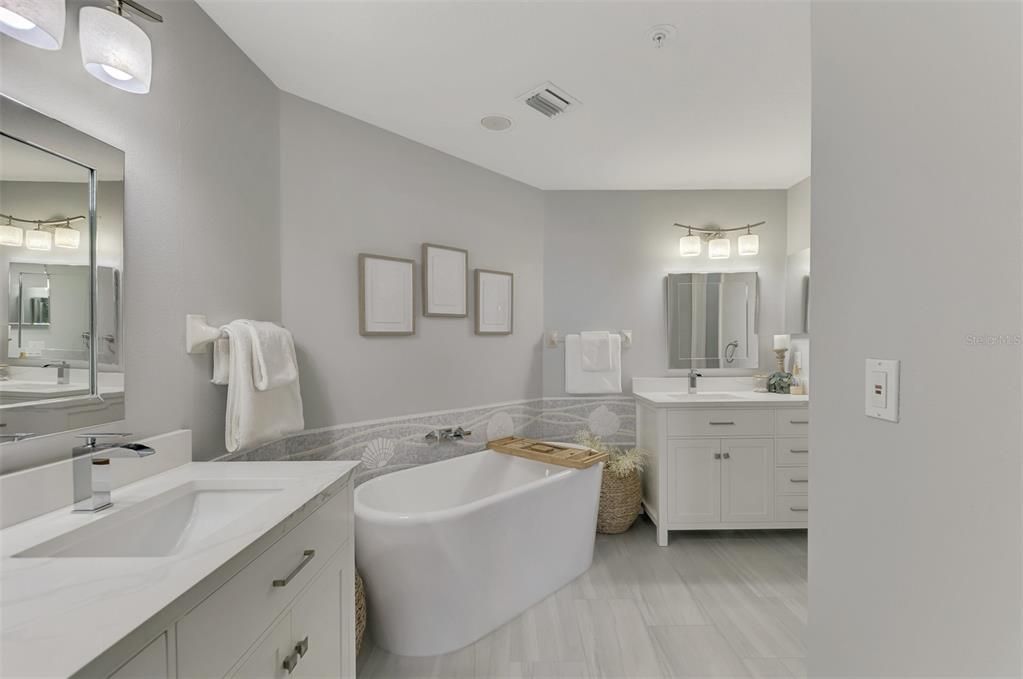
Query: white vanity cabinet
[(737, 463), (289, 612)]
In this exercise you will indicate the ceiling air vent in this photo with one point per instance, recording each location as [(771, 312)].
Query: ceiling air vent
[(549, 100)]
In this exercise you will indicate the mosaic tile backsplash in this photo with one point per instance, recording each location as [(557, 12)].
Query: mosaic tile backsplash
[(396, 443)]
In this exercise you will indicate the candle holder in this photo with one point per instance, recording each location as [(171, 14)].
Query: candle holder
[(780, 353)]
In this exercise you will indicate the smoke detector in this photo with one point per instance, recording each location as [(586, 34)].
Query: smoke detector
[(661, 34), (550, 100), (495, 123)]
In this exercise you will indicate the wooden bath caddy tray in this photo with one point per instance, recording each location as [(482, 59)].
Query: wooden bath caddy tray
[(551, 453)]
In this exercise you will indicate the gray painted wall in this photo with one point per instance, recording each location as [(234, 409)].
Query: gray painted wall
[(606, 254), (201, 205), (915, 527), (348, 187)]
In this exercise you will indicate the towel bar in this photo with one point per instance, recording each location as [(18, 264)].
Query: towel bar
[(552, 338), (199, 334)]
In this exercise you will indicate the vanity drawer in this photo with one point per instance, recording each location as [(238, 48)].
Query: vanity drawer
[(791, 509), (720, 422), (216, 633), (791, 480), (792, 451), (792, 421)]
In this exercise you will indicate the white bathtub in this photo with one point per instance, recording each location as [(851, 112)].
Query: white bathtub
[(450, 551)]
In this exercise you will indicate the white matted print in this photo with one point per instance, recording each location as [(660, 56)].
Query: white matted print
[(445, 281), (386, 296), (495, 298)]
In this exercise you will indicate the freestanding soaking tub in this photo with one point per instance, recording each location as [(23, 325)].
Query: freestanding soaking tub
[(449, 551)]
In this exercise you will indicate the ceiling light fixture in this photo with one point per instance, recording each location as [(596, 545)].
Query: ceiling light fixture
[(496, 123), (115, 50), (39, 23), (719, 246)]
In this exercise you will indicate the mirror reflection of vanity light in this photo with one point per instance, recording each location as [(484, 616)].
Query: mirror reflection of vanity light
[(39, 23), (66, 237), (749, 244), (11, 235), (38, 239), (689, 246)]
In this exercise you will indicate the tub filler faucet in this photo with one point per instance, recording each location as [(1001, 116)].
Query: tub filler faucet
[(91, 471)]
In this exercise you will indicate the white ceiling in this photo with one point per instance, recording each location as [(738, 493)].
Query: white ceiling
[(726, 104)]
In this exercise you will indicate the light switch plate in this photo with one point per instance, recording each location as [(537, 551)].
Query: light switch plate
[(882, 389)]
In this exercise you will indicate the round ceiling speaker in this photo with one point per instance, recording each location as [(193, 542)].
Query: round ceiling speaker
[(496, 123)]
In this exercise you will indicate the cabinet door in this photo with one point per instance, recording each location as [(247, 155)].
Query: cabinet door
[(266, 661), (150, 663), (317, 621), (747, 482), (694, 481)]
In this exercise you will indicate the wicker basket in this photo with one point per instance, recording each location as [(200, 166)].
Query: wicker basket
[(360, 612), (620, 501)]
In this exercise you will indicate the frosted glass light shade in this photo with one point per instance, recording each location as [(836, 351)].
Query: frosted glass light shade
[(115, 50), (719, 248), (689, 246), (37, 239), (65, 237), (11, 235), (39, 23), (749, 244)]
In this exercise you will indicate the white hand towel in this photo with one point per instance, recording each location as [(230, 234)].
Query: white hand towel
[(221, 361), (253, 416), (273, 355), (596, 351), (579, 381)]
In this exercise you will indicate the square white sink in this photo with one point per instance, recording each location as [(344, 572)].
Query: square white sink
[(166, 524)]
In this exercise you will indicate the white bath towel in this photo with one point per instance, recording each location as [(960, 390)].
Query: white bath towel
[(273, 355), (253, 416), (595, 351), (579, 381), (221, 361)]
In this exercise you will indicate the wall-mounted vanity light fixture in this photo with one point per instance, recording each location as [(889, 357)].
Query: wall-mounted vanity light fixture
[(114, 49), (39, 23), (718, 244), (46, 234)]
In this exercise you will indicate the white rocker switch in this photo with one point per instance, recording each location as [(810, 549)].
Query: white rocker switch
[(882, 389)]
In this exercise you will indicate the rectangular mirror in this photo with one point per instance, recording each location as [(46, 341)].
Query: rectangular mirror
[(797, 293), (712, 320), (61, 235)]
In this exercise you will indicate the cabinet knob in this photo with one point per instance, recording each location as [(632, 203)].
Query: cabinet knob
[(717, 456), (727, 456), (291, 662), (302, 646)]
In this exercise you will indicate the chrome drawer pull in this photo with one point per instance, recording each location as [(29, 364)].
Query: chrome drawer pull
[(799, 480), (799, 421), (798, 509), (307, 556), (291, 662), (301, 647), (722, 422), (799, 450)]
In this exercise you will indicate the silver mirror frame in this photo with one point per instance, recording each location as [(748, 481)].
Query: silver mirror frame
[(28, 126)]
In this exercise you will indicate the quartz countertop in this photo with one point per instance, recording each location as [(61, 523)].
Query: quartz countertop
[(720, 398), (59, 614)]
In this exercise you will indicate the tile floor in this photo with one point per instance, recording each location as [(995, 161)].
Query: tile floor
[(711, 604)]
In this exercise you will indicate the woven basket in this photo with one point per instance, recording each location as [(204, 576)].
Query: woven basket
[(360, 612), (620, 501)]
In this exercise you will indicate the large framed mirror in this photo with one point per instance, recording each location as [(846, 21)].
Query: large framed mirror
[(712, 320), (62, 262)]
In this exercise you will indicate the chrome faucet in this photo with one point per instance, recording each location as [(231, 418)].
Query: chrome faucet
[(92, 473), (692, 380), (447, 434), (63, 371)]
